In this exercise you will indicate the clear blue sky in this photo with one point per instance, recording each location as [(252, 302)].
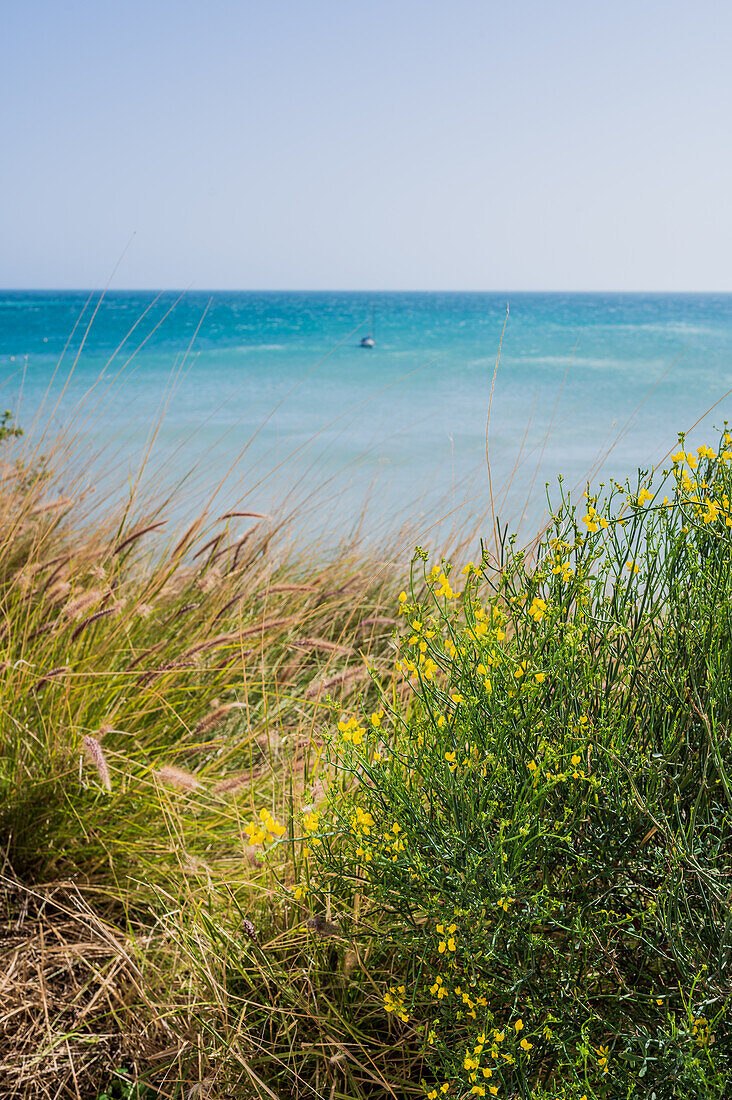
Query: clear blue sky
[(526, 144)]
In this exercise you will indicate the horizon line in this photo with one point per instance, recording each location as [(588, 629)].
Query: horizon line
[(333, 290)]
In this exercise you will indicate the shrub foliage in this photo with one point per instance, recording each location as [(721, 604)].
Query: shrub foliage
[(536, 845)]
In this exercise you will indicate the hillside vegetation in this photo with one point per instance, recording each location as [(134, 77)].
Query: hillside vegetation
[(282, 825)]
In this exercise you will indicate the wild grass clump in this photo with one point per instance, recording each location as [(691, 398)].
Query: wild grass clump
[(158, 687), (533, 859), (138, 670)]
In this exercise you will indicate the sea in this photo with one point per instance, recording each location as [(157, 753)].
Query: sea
[(468, 404)]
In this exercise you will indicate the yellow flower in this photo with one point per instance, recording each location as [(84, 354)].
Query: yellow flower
[(540, 677), (518, 1026), (537, 609), (700, 1031), (444, 588), (643, 496), (602, 1058), (351, 732), (255, 832), (310, 822), (363, 822), (576, 760), (428, 667), (525, 1044), (711, 512), (632, 567), (593, 520), (394, 1002), (261, 831)]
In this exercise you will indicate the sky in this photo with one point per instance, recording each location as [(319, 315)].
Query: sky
[(366, 144)]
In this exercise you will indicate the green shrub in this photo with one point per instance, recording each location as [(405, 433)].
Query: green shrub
[(537, 838)]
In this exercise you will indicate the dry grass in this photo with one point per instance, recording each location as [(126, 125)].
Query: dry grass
[(69, 982)]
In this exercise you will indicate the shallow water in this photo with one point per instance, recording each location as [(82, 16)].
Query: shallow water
[(281, 378)]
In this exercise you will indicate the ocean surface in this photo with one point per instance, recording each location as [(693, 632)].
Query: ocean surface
[(270, 397)]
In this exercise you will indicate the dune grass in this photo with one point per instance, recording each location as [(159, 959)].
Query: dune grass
[(271, 829), (154, 687)]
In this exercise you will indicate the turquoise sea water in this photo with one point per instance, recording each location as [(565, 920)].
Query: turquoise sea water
[(281, 378)]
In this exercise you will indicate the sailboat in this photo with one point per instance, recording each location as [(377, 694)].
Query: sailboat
[(368, 340)]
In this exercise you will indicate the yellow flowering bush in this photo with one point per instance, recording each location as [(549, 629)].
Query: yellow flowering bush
[(538, 828)]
